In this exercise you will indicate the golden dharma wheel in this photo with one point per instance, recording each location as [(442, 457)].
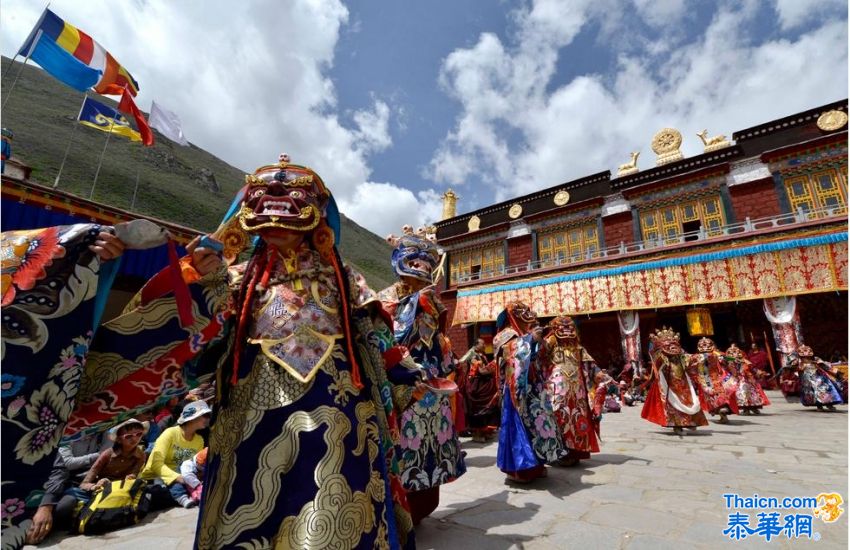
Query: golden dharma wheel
[(832, 120), (561, 198)]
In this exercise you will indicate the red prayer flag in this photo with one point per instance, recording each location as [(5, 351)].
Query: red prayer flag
[(127, 105)]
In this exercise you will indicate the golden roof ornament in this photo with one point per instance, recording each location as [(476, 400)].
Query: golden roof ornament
[(833, 120), (449, 204), (713, 143), (630, 167), (666, 145), (474, 224), (561, 198), (515, 211)]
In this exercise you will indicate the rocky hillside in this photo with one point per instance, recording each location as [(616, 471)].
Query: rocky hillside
[(186, 185)]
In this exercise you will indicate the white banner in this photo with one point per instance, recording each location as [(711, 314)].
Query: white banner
[(167, 123)]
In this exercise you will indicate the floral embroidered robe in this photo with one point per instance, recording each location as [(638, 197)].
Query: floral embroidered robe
[(749, 393), (429, 448), (567, 388), (672, 400), (706, 370), (50, 284), (817, 386), (529, 436)]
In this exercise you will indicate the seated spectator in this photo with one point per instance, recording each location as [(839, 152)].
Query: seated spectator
[(70, 462), (166, 413), (148, 439), (192, 471), (174, 446), (153, 432), (123, 461)]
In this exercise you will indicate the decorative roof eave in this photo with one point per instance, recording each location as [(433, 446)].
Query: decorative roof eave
[(795, 149), (458, 242), (788, 122), (682, 168), (505, 205), (54, 199), (564, 210), (678, 180)]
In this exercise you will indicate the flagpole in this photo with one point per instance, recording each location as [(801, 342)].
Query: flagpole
[(70, 139), (11, 64), (100, 162), (37, 24), (135, 189), (29, 53)]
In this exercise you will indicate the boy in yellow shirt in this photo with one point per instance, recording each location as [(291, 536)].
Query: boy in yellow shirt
[(174, 445)]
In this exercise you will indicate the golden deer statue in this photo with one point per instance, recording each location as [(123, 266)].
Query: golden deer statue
[(713, 143), (629, 167)]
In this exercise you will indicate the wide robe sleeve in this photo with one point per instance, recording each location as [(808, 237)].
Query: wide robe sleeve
[(138, 359)]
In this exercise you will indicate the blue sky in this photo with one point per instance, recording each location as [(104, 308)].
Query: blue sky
[(393, 102)]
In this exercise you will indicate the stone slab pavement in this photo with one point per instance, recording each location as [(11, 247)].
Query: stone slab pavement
[(647, 488)]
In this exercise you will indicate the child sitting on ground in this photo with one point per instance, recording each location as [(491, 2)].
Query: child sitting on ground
[(192, 471)]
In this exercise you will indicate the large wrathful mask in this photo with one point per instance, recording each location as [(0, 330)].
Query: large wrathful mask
[(667, 342), (415, 257), (706, 345), (283, 196), (522, 316), (564, 328)]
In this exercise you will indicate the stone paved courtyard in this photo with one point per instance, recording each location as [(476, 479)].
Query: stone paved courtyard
[(647, 489)]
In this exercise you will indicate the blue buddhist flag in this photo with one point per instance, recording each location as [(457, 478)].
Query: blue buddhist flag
[(62, 65), (106, 119)]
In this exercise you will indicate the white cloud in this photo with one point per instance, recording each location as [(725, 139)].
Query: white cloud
[(718, 80), (795, 13), (248, 83), (661, 13), (388, 207), (373, 128)]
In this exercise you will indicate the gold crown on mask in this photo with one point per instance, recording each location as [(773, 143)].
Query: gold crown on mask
[(304, 176), (664, 336), (427, 233), (705, 342)]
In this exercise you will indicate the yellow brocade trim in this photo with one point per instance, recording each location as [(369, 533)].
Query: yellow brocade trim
[(305, 337), (290, 262)]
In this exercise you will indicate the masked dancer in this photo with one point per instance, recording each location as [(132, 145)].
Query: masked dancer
[(818, 385), (481, 392), (529, 436), (429, 449), (750, 395), (672, 399), (569, 370), (708, 371)]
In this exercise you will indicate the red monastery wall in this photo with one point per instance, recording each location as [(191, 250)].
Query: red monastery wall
[(755, 200), (618, 228), (519, 251)]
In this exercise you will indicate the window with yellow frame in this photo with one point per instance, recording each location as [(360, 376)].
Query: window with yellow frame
[(669, 222), (818, 190), (568, 245), (483, 263)]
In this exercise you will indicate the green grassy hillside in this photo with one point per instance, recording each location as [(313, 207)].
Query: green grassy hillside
[(176, 183)]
